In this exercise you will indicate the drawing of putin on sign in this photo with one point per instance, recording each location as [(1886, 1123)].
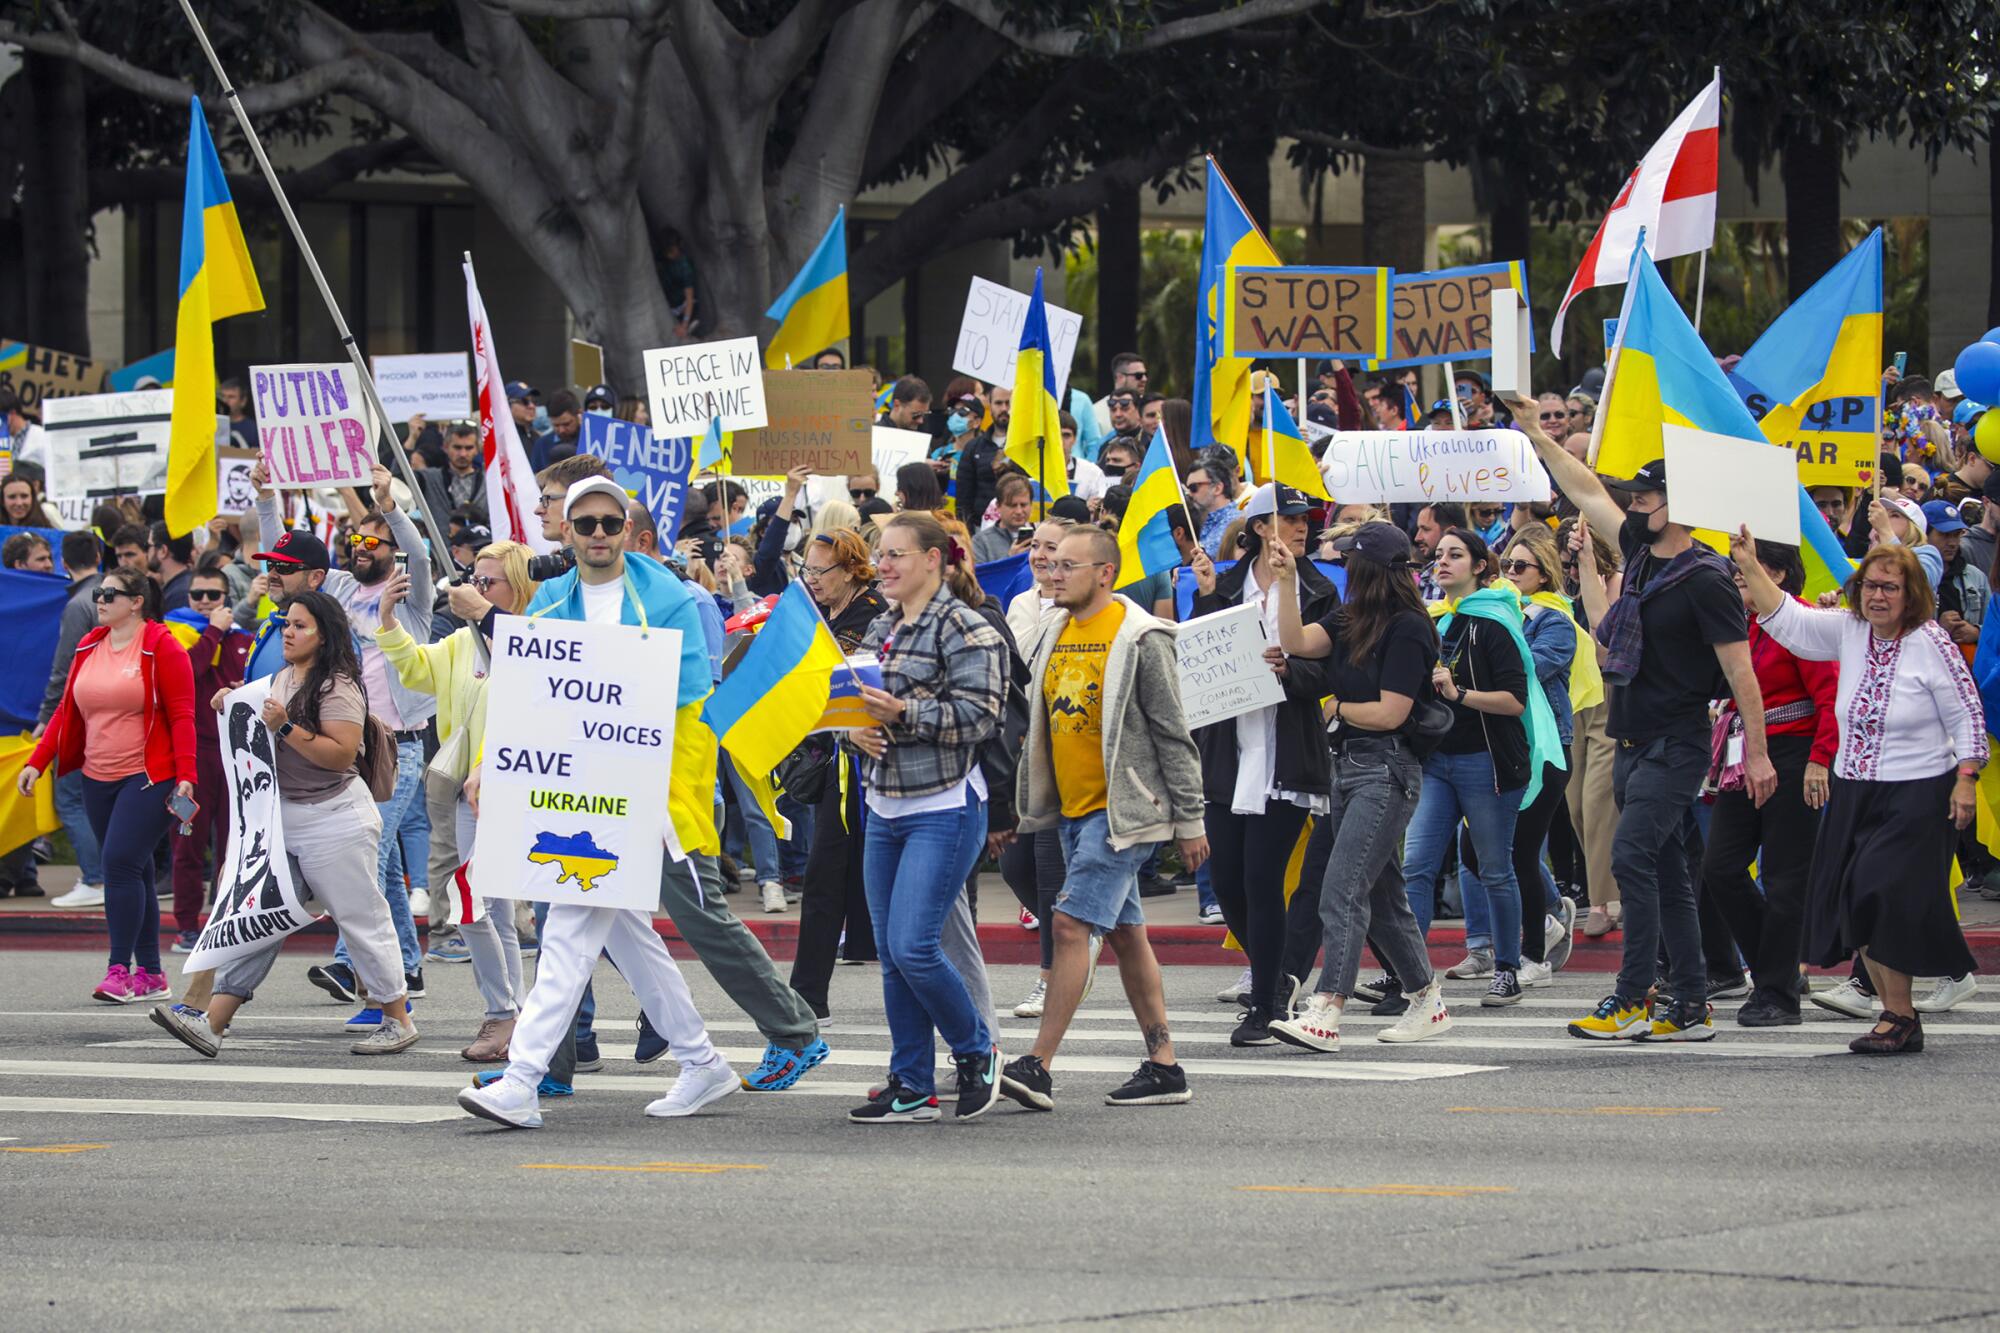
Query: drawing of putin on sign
[(256, 813)]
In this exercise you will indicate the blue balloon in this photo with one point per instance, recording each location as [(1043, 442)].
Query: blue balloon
[(1991, 335), (1978, 371)]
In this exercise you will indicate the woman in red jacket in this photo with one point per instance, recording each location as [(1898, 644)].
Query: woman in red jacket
[(127, 720)]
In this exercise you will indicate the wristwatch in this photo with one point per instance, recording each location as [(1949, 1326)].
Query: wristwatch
[(286, 730)]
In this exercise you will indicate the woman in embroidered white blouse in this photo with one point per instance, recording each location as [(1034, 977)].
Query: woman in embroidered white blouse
[(1912, 742)]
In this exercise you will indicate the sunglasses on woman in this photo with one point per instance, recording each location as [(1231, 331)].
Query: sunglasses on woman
[(589, 524), (485, 581), (103, 595), (1519, 566)]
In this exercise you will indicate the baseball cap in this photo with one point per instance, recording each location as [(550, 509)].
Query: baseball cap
[(297, 547), (474, 535), (1441, 405), (1652, 477), (1967, 412), (1909, 509), (1382, 543), (519, 391), (1946, 384), (593, 486), (600, 393), (1277, 498), (1942, 516)]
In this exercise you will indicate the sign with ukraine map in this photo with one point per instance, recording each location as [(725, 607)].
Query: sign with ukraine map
[(573, 783)]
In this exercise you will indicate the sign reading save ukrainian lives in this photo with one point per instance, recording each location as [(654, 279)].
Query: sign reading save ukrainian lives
[(573, 786)]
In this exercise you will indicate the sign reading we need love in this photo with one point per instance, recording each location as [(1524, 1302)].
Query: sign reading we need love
[(653, 469), (579, 739)]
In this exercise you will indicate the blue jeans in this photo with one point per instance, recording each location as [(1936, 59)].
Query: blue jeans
[(409, 847), (1460, 786), (76, 823), (757, 830), (409, 790), (130, 819), (915, 869), (1100, 883)]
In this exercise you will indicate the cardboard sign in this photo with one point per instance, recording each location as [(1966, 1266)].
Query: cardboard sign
[(1222, 666), (1720, 482), (37, 373), (1446, 314), (586, 363), (108, 444), (654, 470), (1369, 466), (824, 419), (312, 425), (989, 335), (685, 386), (235, 493), (1307, 312), (436, 384), (579, 739)]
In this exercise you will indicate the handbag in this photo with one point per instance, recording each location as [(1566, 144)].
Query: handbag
[(377, 759), (804, 774)]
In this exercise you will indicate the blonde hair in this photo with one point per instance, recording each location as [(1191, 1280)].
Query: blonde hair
[(1541, 548), (836, 516), (513, 558)]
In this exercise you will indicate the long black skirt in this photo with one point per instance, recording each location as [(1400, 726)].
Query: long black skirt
[(1881, 878)]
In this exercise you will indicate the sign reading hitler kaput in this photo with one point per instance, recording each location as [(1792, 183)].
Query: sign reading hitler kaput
[(824, 419), (1446, 314), (1308, 312)]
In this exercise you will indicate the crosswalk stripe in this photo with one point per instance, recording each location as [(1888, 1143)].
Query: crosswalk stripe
[(388, 1115)]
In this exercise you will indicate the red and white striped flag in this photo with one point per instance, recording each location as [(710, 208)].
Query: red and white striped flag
[(1670, 195), (511, 492)]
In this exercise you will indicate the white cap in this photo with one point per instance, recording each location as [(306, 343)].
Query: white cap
[(1946, 384), (1909, 509), (593, 486), (1261, 503)]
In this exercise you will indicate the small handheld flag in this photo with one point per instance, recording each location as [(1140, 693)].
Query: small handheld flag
[(1285, 456), (1146, 543), (1034, 432)]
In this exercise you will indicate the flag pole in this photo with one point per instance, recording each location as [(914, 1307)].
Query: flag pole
[(1700, 286), (1451, 396), (353, 349)]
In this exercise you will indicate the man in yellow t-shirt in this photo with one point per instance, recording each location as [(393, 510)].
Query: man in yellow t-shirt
[(1073, 691)]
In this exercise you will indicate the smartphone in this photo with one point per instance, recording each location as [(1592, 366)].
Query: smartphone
[(184, 809), (402, 562), (1902, 359)]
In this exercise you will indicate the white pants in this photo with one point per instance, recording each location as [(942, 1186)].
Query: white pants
[(572, 938), (493, 941)]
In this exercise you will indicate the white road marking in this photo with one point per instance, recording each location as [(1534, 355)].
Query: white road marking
[(381, 1115)]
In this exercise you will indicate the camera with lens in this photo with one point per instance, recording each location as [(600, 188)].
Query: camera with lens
[(555, 564)]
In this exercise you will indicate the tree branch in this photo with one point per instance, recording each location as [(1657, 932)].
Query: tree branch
[(112, 189), (1359, 148), (931, 87), (308, 86), (1066, 42), (563, 9)]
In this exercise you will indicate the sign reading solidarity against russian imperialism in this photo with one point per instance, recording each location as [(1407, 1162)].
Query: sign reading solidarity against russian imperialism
[(1308, 312), (823, 419), (312, 426), (107, 444), (573, 786), (256, 899), (989, 335), (1363, 467), (1223, 671), (435, 384), (35, 373), (1446, 314), (685, 386), (654, 470)]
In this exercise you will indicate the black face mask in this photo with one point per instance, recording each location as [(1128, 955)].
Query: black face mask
[(1112, 470), (1638, 529)]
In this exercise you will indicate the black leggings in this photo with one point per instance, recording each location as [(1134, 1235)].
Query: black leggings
[(832, 895), (1033, 867), (130, 819), (1248, 855), (1531, 826)]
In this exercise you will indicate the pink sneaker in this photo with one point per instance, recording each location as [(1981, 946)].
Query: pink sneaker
[(149, 985), (116, 988)]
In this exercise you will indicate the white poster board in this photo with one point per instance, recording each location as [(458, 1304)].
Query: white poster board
[(435, 384), (1721, 482), (1223, 671), (256, 900), (573, 786), (1512, 341), (102, 445), (892, 447), (989, 335), (685, 386), (1369, 466), (312, 425)]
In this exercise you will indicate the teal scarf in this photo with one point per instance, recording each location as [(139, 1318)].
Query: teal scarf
[(1502, 606)]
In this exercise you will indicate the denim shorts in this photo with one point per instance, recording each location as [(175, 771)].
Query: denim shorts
[(1100, 884)]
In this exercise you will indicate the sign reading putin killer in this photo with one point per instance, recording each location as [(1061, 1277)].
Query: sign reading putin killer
[(824, 419), (312, 426), (1446, 314), (1309, 312)]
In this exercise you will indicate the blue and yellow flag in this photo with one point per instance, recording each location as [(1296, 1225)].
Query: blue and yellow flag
[(1034, 432), (776, 694), (812, 312), (216, 282), (1826, 562), (1283, 455), (714, 451), (1814, 379), (1145, 540), (1221, 381)]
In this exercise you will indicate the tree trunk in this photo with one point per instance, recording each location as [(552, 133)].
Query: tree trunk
[(1117, 280), (1508, 223), (55, 216), (1247, 163), (1393, 225), (1811, 172)]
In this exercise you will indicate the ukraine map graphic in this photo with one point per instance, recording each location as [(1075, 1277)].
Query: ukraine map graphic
[(576, 856)]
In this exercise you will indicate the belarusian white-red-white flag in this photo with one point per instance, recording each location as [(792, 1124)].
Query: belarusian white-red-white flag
[(511, 492), (1670, 195)]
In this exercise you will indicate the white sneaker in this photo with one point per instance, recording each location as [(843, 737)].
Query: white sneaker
[(83, 895), (1476, 963), (1948, 994), (1234, 992), (697, 1086), (1426, 1017), (1211, 916), (1847, 998), (504, 1102), (1317, 1027), (1558, 940), (1032, 1006), (773, 894), (420, 902), (1532, 973)]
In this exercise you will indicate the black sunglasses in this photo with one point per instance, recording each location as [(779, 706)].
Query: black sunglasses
[(588, 525), (205, 594), (111, 595), (860, 495)]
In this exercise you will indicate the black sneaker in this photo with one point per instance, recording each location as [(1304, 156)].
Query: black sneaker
[(336, 979), (414, 984), (1728, 986), (1374, 989), (588, 1061), (1762, 1011), (1027, 1081), (1503, 990), (978, 1083), (1152, 886), (1254, 1029), (895, 1105), (1152, 1085), (651, 1044), (1393, 1003)]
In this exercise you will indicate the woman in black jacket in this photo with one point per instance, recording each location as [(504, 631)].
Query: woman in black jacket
[(1263, 772)]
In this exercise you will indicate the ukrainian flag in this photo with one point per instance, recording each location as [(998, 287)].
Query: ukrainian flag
[(812, 312), (1221, 381), (1826, 562), (777, 693), (714, 447), (1813, 380), (1034, 431), (1145, 541), (1284, 456), (216, 282)]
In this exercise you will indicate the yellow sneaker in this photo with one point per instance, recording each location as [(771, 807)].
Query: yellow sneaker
[(1674, 1021), (1614, 1018)]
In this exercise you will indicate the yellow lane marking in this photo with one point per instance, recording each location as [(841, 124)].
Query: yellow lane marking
[(655, 1168), (61, 1148), (1586, 1110), (1401, 1191)]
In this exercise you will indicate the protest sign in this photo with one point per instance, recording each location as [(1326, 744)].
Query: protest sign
[(989, 335), (436, 384), (685, 386), (1364, 467), (843, 706), (108, 444), (579, 738), (586, 363), (1222, 666), (256, 900), (1512, 337), (1446, 314), (38, 373), (312, 425), (1720, 482), (824, 419), (234, 491), (654, 470), (1308, 312)]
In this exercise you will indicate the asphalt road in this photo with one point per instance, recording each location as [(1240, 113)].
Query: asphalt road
[(1506, 1176)]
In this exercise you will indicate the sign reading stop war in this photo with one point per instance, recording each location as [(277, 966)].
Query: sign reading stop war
[(1446, 314), (312, 426), (1309, 312), (1371, 466), (824, 419)]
